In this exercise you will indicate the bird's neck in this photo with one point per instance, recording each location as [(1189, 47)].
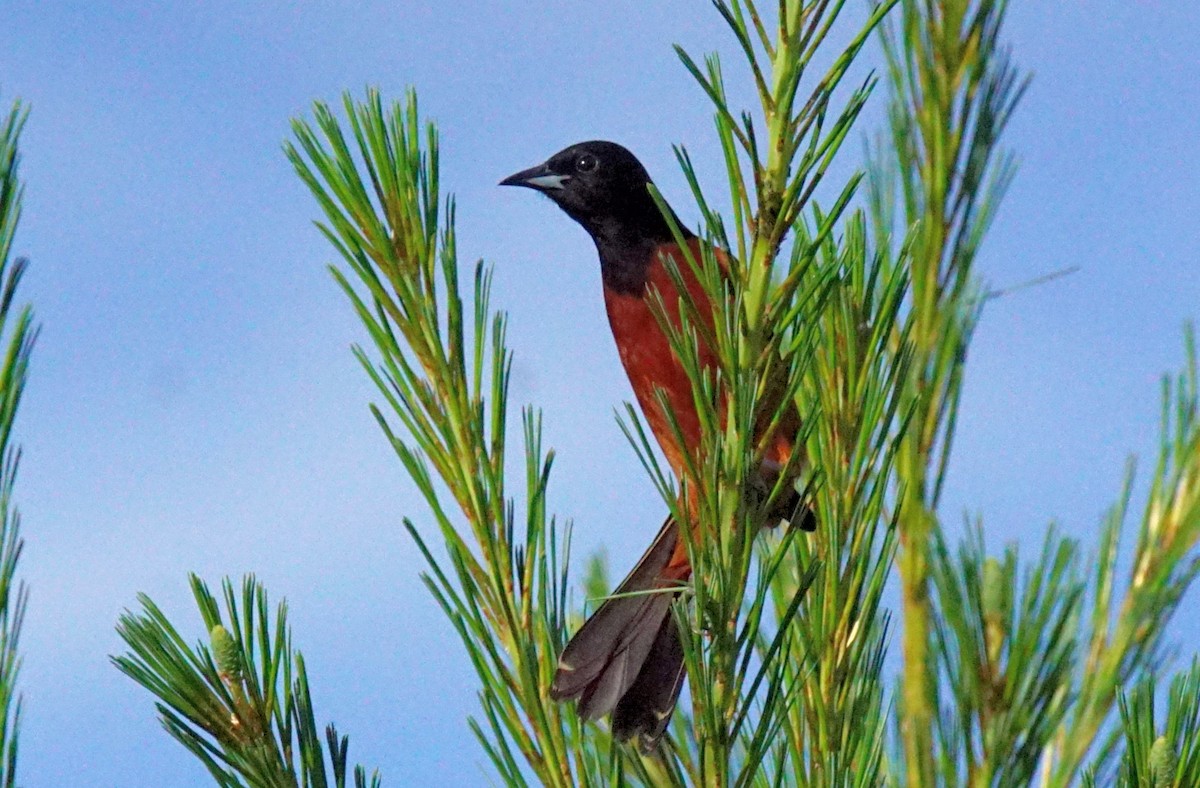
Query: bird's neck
[(628, 247)]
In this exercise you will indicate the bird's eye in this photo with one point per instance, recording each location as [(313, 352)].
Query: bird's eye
[(585, 163)]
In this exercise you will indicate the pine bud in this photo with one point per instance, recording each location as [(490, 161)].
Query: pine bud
[(994, 617), (225, 651), (1162, 763)]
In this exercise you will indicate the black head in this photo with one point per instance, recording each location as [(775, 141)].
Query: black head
[(594, 182), (603, 186)]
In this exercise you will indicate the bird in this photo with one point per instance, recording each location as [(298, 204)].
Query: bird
[(627, 658)]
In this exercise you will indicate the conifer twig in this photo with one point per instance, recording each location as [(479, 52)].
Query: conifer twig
[(18, 334)]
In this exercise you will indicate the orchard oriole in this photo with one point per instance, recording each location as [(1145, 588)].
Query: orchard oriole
[(627, 658)]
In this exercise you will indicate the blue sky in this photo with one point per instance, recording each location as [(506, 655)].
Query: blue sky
[(194, 405)]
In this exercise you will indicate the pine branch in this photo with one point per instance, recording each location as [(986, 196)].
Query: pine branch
[(442, 365), (769, 655), (1125, 641), (953, 91), (17, 334), (1160, 757), (241, 704)]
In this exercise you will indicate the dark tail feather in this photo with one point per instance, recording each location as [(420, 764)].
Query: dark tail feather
[(647, 706), (627, 656)]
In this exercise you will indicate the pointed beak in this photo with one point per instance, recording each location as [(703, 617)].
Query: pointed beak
[(539, 178)]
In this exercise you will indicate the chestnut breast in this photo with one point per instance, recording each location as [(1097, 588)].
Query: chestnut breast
[(650, 361)]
